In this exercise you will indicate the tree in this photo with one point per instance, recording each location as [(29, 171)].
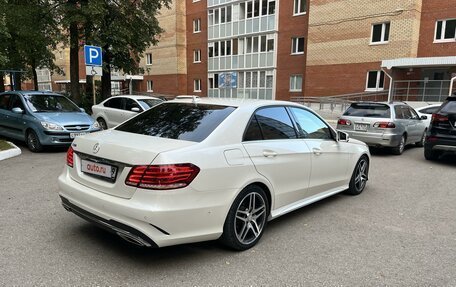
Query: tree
[(124, 29), (32, 32)]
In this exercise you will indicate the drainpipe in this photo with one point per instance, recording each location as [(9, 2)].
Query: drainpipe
[(451, 86), (390, 92)]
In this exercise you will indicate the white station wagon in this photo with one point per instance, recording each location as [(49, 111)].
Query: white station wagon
[(203, 169)]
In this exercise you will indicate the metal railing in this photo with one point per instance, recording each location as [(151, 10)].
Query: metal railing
[(340, 102), (421, 90)]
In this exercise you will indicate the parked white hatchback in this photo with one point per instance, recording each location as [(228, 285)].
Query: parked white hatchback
[(202, 169), (115, 110)]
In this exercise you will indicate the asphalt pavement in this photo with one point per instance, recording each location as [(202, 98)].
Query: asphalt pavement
[(401, 231)]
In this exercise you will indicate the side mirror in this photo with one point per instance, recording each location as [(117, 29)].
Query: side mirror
[(18, 110), (135, 109), (424, 117), (342, 136), (82, 110)]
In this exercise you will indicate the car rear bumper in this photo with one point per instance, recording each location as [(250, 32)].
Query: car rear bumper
[(159, 218), (376, 139), (441, 143)]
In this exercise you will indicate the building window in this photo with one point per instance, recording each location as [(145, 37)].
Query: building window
[(197, 56), (375, 80), (299, 7), (380, 33), (197, 85), (149, 59), (296, 83), (445, 30), (150, 86), (196, 25), (297, 46)]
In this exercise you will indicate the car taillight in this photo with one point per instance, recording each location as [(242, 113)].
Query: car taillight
[(344, 122), (438, 118), (169, 176), (384, 125), (70, 153)]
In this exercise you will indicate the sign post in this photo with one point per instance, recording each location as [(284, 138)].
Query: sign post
[(93, 59)]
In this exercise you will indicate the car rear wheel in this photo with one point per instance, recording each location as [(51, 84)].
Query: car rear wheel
[(359, 177), (246, 219), (398, 150), (102, 124), (430, 154), (33, 142), (423, 139)]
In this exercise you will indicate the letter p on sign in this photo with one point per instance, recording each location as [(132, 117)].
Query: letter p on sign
[(92, 56)]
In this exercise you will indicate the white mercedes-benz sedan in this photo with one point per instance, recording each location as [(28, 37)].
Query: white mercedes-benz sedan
[(192, 170)]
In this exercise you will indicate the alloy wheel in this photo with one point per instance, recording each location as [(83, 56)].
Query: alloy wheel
[(250, 218), (361, 174)]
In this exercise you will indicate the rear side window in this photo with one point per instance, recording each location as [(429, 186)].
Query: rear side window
[(115, 103), (182, 121), (449, 107), (368, 111), (275, 123)]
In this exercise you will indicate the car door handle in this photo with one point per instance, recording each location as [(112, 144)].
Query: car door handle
[(269, 153), (316, 151)]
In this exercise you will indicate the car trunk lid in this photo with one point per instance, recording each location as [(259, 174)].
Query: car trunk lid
[(103, 160)]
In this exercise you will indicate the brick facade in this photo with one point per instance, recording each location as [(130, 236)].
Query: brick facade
[(287, 64), (196, 41)]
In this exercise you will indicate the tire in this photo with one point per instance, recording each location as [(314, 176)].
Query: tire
[(398, 150), (423, 139), (246, 220), (359, 177), (430, 154), (33, 141), (102, 123)]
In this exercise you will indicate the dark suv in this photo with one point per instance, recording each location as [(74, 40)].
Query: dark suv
[(441, 136)]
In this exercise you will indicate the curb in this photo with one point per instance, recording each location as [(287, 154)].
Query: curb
[(9, 153)]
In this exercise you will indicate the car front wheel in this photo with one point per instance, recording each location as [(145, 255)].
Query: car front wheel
[(246, 219), (33, 142), (102, 124), (359, 177), (423, 139)]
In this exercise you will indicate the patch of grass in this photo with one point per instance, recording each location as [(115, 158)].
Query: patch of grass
[(4, 145)]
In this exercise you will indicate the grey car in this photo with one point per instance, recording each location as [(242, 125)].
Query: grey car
[(393, 125), (42, 119)]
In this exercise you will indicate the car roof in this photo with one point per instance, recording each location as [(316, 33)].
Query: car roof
[(248, 103), (25, 93), (134, 97), (396, 103)]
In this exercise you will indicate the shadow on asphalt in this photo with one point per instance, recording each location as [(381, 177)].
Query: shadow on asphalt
[(47, 149), (153, 257)]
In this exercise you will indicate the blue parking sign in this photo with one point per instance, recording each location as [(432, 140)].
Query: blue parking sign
[(93, 56)]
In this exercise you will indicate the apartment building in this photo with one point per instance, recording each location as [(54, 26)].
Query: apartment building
[(283, 49), (235, 49), (360, 46)]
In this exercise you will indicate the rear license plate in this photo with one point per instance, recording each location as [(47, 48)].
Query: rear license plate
[(361, 127), (98, 169), (74, 135)]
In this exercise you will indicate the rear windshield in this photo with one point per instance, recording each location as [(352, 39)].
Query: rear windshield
[(189, 122), (149, 103), (368, 111), (449, 107)]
